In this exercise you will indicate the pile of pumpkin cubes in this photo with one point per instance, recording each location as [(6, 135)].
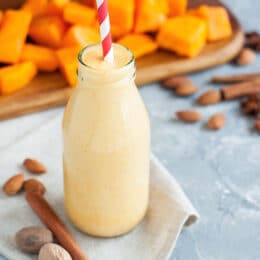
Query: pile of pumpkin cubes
[(46, 35)]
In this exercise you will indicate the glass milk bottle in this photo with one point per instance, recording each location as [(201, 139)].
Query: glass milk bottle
[(106, 136)]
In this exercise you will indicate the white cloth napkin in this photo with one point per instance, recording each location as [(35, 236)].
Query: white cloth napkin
[(155, 238)]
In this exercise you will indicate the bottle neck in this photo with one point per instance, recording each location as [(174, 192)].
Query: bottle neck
[(94, 72), (95, 78)]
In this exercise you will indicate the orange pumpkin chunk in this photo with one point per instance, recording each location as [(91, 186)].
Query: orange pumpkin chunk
[(47, 30), (139, 44), (35, 7), (13, 33), (76, 13), (150, 15), (44, 58), (121, 17), (177, 7), (218, 24), (91, 3), (1, 16), (186, 35), (55, 7), (68, 63), (79, 35), (15, 77)]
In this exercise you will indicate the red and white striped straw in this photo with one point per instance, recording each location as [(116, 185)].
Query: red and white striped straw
[(105, 33)]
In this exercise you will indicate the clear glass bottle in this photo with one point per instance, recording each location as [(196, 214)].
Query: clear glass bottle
[(106, 136)]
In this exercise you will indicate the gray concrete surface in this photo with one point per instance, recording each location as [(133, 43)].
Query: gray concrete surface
[(220, 171)]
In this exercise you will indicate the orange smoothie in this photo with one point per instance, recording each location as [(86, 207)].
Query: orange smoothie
[(106, 136)]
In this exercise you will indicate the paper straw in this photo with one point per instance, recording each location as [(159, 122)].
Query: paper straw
[(105, 33)]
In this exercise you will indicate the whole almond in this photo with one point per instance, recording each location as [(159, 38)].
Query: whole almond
[(257, 125), (210, 97), (190, 116), (175, 82), (14, 184), (217, 121), (246, 57), (186, 90), (34, 166), (33, 185)]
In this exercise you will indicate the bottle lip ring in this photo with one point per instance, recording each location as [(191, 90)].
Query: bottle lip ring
[(82, 53)]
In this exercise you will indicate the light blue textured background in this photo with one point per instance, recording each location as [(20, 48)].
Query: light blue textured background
[(220, 171)]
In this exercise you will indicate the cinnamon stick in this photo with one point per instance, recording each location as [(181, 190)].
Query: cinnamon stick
[(236, 78), (241, 89), (48, 216)]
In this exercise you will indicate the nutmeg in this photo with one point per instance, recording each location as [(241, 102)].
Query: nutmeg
[(31, 239), (53, 252)]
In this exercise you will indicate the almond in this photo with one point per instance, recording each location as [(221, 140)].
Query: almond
[(14, 184), (175, 82), (257, 125), (217, 121), (33, 185), (210, 97), (190, 116), (34, 166), (246, 57), (186, 90)]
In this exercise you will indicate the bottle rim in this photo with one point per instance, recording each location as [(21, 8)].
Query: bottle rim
[(83, 51)]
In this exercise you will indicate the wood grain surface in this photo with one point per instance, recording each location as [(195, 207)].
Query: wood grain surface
[(50, 90)]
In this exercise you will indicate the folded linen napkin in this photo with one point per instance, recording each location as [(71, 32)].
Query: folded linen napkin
[(155, 238)]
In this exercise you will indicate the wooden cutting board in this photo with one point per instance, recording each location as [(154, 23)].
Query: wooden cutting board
[(50, 89)]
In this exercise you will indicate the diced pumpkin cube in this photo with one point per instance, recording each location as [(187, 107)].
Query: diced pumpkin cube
[(1, 16), (13, 33), (82, 36), (55, 7), (76, 13), (177, 7), (150, 15), (218, 24), (35, 7), (47, 30), (15, 77), (91, 3), (186, 35), (68, 63), (44, 58), (139, 44), (121, 17)]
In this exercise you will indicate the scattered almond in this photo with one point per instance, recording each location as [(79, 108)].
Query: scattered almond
[(186, 90), (246, 57), (34, 166), (14, 184), (175, 82), (257, 125), (210, 97), (217, 121), (33, 185), (190, 116)]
